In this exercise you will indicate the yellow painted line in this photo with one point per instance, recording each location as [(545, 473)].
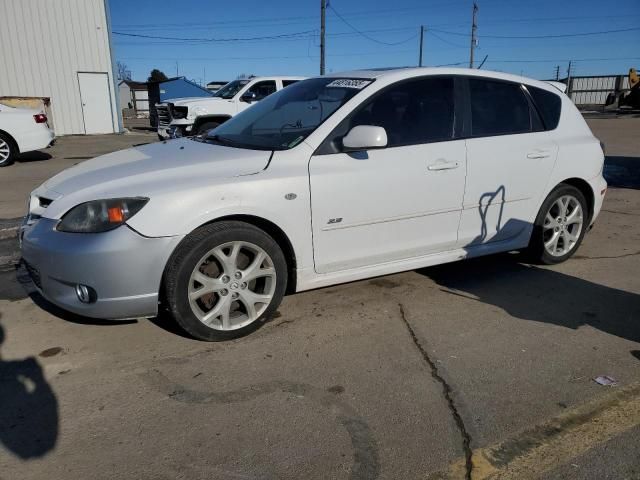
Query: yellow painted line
[(555, 442)]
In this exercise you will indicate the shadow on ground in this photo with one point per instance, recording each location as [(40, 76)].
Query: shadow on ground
[(28, 408), (35, 156), (622, 172), (541, 294)]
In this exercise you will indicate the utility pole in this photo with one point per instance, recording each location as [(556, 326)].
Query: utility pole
[(421, 42), (474, 27), (569, 80), (323, 12), (557, 72), (176, 68)]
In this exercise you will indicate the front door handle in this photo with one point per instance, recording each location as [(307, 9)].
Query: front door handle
[(540, 154), (442, 165)]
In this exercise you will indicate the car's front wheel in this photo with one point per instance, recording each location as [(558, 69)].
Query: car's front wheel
[(560, 225), (224, 280), (8, 151)]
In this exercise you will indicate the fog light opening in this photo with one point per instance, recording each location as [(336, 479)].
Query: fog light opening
[(85, 294)]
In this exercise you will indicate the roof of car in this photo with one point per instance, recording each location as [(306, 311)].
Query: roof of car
[(398, 73), (275, 77)]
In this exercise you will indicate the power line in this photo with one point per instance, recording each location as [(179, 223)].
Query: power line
[(275, 57), (304, 19), (363, 34), (266, 37), (562, 35), (551, 60), (444, 40)]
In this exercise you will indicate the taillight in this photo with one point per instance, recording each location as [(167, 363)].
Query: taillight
[(40, 118)]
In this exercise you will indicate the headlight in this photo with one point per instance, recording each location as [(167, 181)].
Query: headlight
[(180, 112), (100, 215), (196, 112)]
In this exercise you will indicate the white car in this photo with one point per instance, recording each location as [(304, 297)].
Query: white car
[(22, 130), (331, 180), (182, 117)]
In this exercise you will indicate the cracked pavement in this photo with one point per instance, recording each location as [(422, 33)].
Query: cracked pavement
[(478, 369)]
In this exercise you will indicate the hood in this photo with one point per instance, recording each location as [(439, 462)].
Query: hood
[(150, 170), (194, 100)]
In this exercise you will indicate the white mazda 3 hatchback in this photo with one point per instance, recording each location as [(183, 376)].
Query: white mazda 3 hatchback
[(330, 180)]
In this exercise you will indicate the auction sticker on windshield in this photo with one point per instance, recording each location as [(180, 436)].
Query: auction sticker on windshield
[(349, 83)]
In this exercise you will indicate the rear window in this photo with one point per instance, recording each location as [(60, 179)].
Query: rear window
[(548, 105), (498, 108)]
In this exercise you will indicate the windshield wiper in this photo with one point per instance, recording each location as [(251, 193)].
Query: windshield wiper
[(231, 143), (221, 140)]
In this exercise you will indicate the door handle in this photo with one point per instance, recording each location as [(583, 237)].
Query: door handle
[(540, 154), (443, 166)]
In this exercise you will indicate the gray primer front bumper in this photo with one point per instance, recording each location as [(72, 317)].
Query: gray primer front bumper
[(123, 267)]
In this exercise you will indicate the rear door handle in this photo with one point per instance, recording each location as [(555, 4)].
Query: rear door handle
[(443, 166), (540, 154)]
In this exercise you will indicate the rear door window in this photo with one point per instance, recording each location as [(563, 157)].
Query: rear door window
[(286, 83), (263, 89), (500, 108), (548, 105)]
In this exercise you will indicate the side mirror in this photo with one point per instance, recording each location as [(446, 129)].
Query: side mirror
[(365, 137), (248, 97)]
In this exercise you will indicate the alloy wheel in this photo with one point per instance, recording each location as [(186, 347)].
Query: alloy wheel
[(563, 225), (232, 285), (5, 151)]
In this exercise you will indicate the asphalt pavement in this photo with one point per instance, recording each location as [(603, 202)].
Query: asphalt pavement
[(482, 368)]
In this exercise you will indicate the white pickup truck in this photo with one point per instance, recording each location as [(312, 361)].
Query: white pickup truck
[(193, 116)]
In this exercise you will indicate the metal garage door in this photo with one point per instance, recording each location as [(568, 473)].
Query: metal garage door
[(96, 102)]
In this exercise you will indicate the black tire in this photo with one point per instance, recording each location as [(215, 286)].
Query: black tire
[(205, 127), (536, 251), (13, 150), (191, 250)]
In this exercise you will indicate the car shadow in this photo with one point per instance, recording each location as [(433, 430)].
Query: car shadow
[(622, 172), (530, 292), (29, 419), (35, 156), (164, 321)]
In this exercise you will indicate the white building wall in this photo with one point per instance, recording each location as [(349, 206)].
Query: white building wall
[(125, 95), (43, 46)]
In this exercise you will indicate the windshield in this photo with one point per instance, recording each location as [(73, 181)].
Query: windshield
[(230, 89), (284, 119)]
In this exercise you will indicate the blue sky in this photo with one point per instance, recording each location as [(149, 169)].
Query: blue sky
[(387, 35)]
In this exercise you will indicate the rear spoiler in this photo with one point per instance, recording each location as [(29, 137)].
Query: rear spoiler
[(559, 85)]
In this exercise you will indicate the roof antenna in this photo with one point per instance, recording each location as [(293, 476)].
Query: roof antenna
[(482, 63)]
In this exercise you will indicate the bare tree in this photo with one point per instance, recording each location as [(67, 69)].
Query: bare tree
[(123, 71)]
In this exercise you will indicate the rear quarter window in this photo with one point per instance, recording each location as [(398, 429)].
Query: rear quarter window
[(548, 104)]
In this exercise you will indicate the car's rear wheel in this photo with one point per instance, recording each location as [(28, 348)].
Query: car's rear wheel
[(560, 225), (224, 280), (8, 150)]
